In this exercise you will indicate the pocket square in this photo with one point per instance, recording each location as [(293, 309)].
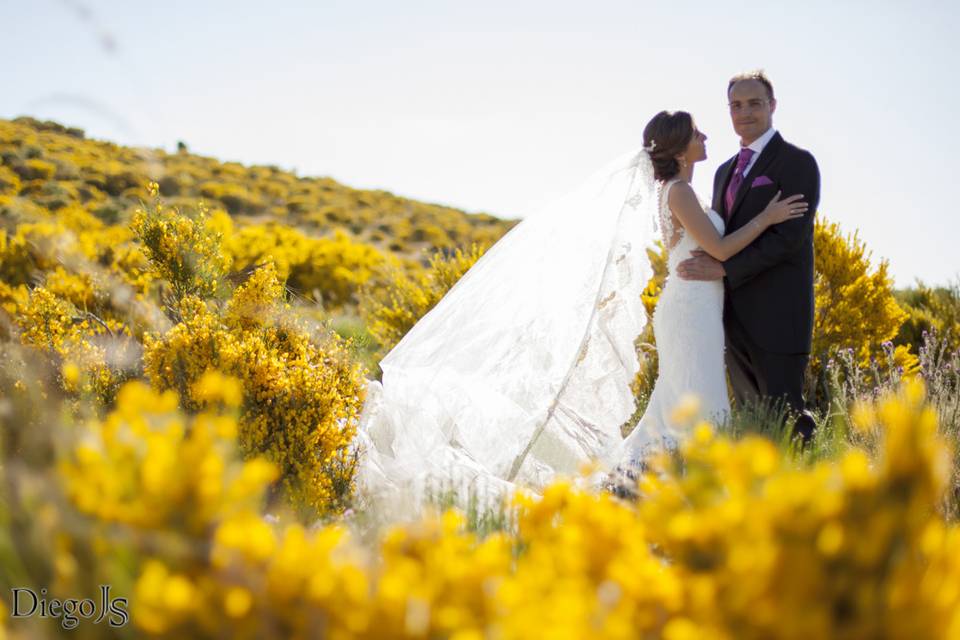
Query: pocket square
[(760, 181)]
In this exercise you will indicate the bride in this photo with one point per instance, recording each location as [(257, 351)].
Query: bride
[(522, 371), (688, 320)]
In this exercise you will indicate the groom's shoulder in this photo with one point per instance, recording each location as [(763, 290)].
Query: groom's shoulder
[(798, 152)]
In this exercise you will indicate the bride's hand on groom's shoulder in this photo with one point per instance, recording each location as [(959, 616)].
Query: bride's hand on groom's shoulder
[(700, 266)]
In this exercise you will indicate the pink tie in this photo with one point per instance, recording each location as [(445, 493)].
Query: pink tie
[(737, 179)]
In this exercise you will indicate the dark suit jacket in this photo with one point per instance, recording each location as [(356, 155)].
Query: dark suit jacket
[(769, 285)]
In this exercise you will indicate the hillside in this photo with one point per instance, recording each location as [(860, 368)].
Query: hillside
[(54, 166)]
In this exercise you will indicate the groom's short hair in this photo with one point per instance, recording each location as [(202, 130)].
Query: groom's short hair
[(757, 75)]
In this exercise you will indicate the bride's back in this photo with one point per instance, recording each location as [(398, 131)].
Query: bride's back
[(678, 242)]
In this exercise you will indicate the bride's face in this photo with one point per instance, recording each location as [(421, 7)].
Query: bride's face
[(696, 149)]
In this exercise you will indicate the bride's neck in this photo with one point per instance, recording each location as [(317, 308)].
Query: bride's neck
[(686, 174)]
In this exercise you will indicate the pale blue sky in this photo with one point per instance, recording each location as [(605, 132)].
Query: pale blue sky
[(501, 106)]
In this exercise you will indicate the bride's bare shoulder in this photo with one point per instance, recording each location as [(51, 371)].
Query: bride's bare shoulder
[(680, 194)]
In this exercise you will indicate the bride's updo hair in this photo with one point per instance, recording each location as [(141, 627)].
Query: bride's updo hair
[(669, 132)]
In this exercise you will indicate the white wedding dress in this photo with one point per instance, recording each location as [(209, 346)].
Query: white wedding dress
[(522, 372), (688, 329)]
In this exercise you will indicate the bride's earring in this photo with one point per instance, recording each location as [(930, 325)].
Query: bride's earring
[(683, 162)]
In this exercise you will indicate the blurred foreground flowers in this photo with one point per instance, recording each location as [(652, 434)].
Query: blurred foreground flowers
[(741, 542)]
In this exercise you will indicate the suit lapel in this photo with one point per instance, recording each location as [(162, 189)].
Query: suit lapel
[(719, 199), (768, 154)]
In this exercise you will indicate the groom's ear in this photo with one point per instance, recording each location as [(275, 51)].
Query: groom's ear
[(773, 105)]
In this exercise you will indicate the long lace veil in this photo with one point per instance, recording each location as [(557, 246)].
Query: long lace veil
[(523, 370)]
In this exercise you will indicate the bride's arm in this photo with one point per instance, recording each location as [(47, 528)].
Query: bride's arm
[(687, 209)]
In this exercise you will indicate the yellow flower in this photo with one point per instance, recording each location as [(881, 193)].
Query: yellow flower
[(830, 539), (71, 374), (213, 386), (686, 410), (237, 602)]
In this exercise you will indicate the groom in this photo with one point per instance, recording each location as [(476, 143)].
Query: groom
[(768, 302)]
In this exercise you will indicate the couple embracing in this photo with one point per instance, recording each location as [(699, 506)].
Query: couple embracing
[(522, 371)]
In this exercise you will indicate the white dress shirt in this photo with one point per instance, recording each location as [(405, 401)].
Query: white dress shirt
[(757, 147)]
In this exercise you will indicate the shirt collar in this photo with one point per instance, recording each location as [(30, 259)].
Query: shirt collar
[(757, 145)]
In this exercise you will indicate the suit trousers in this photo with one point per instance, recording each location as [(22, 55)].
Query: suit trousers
[(758, 375)]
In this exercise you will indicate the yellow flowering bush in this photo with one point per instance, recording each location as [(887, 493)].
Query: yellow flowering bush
[(741, 543), (303, 392), (36, 169), (149, 466), (930, 310), (15, 260), (78, 311), (280, 244), (436, 579), (391, 307), (36, 247), (78, 341), (182, 248), (162, 491), (258, 582), (235, 197), (848, 548), (331, 269), (645, 343), (76, 244), (735, 539), (9, 181), (80, 290), (658, 263), (855, 307), (11, 299), (337, 267), (586, 571)]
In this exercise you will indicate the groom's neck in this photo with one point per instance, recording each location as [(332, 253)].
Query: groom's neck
[(744, 142)]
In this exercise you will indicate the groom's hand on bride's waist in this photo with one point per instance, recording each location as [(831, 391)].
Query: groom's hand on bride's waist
[(701, 266)]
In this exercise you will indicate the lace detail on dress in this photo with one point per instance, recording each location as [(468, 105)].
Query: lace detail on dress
[(670, 234)]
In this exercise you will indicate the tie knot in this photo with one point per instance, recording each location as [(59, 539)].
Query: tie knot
[(743, 159)]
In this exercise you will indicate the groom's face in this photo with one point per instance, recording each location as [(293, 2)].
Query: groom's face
[(751, 109)]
